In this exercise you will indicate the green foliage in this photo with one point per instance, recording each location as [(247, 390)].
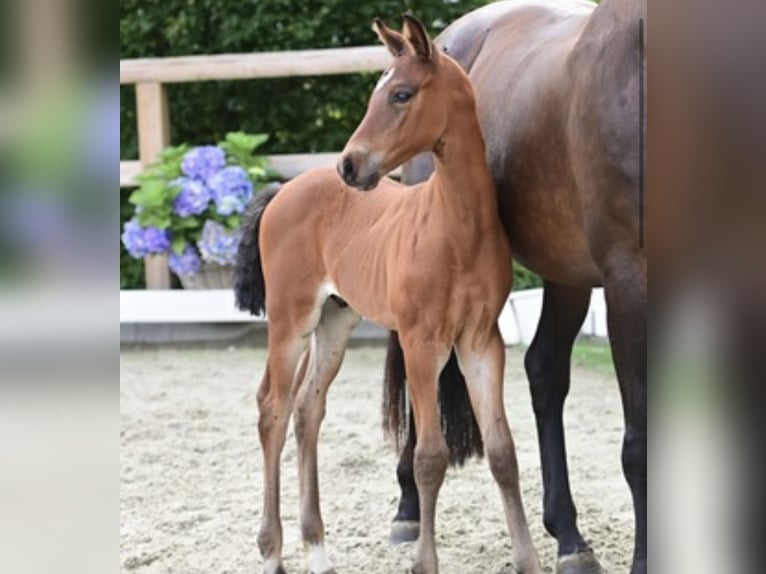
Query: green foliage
[(593, 354), (302, 114), (523, 278)]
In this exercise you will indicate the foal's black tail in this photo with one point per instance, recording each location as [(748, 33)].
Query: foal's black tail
[(458, 421), (249, 288)]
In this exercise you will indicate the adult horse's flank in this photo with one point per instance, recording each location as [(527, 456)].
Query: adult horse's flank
[(428, 261), (557, 89)]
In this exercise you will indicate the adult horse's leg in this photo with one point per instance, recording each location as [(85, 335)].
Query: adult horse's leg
[(431, 456), (483, 366), (625, 290), (399, 424), (328, 346), (406, 524), (547, 363), (274, 406)]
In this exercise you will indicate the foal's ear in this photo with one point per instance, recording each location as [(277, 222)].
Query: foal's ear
[(392, 39), (417, 36)]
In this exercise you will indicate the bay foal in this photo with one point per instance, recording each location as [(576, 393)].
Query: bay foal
[(429, 261)]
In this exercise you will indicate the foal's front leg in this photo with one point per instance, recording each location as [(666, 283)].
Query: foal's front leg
[(423, 362), (482, 361)]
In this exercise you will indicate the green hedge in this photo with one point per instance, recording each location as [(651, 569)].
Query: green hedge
[(301, 114)]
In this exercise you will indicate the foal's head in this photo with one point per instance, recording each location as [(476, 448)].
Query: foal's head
[(409, 109)]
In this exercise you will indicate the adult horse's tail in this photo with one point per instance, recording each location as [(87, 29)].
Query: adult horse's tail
[(458, 422), (249, 287)]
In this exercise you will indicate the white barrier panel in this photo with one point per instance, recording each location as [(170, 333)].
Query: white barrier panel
[(518, 321), (181, 306)]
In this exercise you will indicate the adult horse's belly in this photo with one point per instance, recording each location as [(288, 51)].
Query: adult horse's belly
[(521, 81)]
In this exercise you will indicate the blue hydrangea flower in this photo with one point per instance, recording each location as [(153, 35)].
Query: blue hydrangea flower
[(193, 198), (142, 241), (188, 263), (202, 162), (231, 189), (217, 244)]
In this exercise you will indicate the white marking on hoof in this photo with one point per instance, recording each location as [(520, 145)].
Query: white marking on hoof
[(272, 565), (317, 558)]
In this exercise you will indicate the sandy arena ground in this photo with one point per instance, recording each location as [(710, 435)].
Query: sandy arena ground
[(190, 471)]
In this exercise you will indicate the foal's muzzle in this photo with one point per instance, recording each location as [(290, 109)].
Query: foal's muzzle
[(356, 170)]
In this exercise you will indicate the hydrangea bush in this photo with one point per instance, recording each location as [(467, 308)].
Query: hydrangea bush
[(189, 204)]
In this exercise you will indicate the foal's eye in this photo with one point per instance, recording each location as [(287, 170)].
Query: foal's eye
[(401, 96)]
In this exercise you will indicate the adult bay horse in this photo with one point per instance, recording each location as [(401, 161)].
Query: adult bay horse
[(558, 90), (428, 261)]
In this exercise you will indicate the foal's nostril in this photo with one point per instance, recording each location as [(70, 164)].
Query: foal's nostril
[(348, 170)]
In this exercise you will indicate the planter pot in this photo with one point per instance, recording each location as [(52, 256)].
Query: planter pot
[(210, 276)]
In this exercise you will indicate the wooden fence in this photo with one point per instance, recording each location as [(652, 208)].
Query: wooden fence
[(151, 74)]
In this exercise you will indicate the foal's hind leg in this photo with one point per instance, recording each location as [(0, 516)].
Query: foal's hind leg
[(482, 364), (328, 345)]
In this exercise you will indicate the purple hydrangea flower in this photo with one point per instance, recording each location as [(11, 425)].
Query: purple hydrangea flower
[(193, 198), (142, 241), (231, 189), (188, 263), (217, 244), (202, 162)]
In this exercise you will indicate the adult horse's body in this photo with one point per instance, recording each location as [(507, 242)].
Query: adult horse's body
[(429, 261), (557, 85)]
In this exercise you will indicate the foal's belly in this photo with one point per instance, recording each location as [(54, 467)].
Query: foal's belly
[(433, 295)]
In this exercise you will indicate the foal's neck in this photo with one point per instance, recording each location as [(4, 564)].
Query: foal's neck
[(462, 182)]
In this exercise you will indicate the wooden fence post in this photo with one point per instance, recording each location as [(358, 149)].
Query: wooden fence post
[(153, 137)]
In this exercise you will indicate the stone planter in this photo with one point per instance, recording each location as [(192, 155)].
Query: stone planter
[(210, 276)]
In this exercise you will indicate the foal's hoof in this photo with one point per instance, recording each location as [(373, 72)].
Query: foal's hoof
[(404, 531), (580, 563), (330, 571)]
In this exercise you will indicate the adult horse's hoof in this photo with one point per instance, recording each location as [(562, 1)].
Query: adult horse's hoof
[(580, 563), (404, 531)]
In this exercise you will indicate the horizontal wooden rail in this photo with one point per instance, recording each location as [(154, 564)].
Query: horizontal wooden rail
[(287, 165), (257, 65)]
